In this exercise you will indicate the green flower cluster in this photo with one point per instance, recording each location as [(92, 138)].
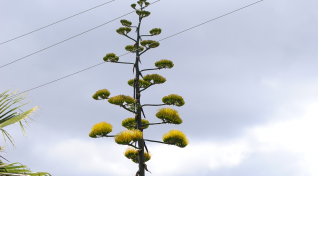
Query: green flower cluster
[(127, 136), (125, 23), (155, 79), (130, 123), (123, 30), (142, 83), (143, 1), (121, 99), (164, 63), (169, 115), (155, 31), (176, 137), (142, 14), (132, 48), (111, 58), (101, 94), (132, 154), (173, 99), (150, 44), (100, 130)]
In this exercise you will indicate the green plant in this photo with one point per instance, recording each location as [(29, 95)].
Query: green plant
[(11, 113), (136, 125)]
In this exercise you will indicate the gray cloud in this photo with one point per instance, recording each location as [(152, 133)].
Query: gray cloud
[(247, 69)]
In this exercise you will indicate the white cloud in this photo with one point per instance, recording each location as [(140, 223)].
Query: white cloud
[(297, 136)]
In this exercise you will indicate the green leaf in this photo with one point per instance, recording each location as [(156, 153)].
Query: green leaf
[(18, 118)]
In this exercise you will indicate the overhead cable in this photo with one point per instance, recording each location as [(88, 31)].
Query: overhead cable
[(56, 22), (68, 38), (129, 52)]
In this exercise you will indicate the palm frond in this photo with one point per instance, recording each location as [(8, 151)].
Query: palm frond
[(18, 118), (17, 169)]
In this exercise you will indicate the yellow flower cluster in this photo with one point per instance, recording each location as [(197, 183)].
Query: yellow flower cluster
[(100, 130), (173, 99), (132, 154), (176, 137), (101, 94), (130, 123), (121, 99), (155, 78), (164, 63), (127, 136), (142, 83), (169, 115)]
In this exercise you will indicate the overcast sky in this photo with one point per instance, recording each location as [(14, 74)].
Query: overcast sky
[(249, 81)]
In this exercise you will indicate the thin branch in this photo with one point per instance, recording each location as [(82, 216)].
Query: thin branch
[(106, 136), (124, 63), (150, 69), (155, 105), (146, 87), (146, 147), (133, 146), (130, 37), (158, 142), (143, 113), (155, 123), (146, 35), (127, 109), (144, 51)]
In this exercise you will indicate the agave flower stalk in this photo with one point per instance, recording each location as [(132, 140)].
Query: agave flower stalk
[(133, 136)]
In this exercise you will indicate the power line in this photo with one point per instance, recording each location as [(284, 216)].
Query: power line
[(129, 52), (56, 22), (68, 39)]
